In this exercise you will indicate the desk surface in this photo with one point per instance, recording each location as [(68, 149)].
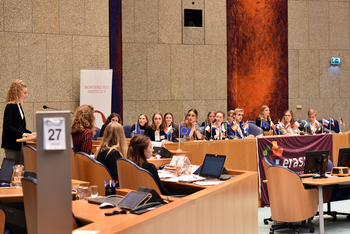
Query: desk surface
[(15, 194), (326, 181), (214, 209)]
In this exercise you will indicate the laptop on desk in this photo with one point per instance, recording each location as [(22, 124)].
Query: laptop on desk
[(6, 170), (212, 166)]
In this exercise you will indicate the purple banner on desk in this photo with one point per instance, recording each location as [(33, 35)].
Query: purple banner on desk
[(289, 152)]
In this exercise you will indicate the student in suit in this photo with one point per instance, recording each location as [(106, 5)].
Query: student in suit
[(14, 122), (191, 122), (142, 121), (264, 119), (218, 129), (114, 117), (230, 115), (314, 127), (112, 147), (139, 151), (286, 126), (156, 130), (82, 127), (210, 118), (238, 120)]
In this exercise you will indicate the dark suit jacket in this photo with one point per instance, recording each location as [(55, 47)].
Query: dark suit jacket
[(13, 127), (150, 133)]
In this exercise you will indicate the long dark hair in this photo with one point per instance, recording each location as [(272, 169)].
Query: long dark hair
[(136, 150)]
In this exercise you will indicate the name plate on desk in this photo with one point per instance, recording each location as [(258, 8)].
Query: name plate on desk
[(54, 134)]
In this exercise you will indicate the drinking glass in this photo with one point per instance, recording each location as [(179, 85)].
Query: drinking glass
[(17, 175), (94, 191)]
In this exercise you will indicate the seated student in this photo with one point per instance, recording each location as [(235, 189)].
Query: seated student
[(82, 127), (191, 122), (142, 122), (230, 118), (169, 121), (114, 117), (286, 126), (156, 130), (314, 127), (112, 147), (218, 129), (264, 119), (239, 133), (210, 118), (140, 149)]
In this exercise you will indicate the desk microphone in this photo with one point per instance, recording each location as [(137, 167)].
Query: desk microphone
[(46, 107)]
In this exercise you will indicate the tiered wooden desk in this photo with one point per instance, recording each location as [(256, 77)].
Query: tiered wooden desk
[(227, 207), (242, 154)]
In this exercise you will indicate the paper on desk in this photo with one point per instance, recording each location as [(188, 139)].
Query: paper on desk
[(185, 178), (165, 174), (85, 232), (204, 183)]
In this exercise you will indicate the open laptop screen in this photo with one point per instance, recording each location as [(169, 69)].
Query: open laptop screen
[(6, 170), (212, 166)]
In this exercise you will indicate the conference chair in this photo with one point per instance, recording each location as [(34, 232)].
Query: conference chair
[(97, 134), (74, 167), (267, 163), (131, 176), (290, 202), (127, 130), (30, 205), (255, 130), (92, 171), (3, 228), (29, 158)]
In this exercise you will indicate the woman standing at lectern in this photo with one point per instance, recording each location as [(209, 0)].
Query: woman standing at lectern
[(14, 125)]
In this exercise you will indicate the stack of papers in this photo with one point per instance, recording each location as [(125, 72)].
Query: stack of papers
[(186, 179)]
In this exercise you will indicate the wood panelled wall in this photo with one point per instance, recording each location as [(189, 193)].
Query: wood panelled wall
[(257, 56)]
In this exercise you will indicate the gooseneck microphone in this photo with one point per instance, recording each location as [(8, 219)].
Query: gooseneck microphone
[(46, 107)]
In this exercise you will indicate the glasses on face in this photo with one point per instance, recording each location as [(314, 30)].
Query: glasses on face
[(239, 115), (287, 115)]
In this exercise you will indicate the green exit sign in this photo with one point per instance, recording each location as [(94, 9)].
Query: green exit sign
[(335, 60)]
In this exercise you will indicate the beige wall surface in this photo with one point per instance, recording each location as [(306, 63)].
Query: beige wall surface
[(45, 44), (169, 68), (317, 31)]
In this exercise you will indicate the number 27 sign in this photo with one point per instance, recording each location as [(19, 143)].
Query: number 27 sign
[(54, 134)]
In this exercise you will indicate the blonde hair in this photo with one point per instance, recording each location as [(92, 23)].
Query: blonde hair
[(238, 110), (312, 112), (230, 112), (14, 91), (83, 118), (114, 138), (261, 115), (207, 121)]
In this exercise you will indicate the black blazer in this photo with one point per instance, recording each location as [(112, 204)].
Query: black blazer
[(13, 127), (150, 133)]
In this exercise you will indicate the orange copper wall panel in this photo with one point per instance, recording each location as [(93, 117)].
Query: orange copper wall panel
[(257, 56)]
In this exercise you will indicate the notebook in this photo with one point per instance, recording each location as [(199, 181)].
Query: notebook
[(6, 170), (212, 166)]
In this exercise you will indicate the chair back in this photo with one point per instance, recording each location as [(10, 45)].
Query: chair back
[(29, 156), (97, 134), (74, 167), (92, 171), (255, 130), (30, 204), (131, 176), (127, 130), (289, 201)]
